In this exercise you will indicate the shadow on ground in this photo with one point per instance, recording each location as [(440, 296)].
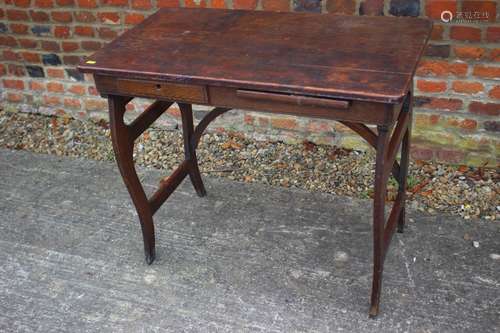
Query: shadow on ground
[(247, 258)]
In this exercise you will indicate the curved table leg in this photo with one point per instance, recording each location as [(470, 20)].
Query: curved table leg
[(405, 160), (189, 149), (123, 145)]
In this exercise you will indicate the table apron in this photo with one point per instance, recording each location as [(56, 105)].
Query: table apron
[(373, 113)]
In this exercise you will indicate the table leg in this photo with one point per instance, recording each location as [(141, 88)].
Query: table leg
[(405, 161), (123, 146), (190, 150), (387, 145), (123, 137), (379, 217)]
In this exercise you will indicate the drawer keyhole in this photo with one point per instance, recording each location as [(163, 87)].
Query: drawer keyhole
[(158, 86)]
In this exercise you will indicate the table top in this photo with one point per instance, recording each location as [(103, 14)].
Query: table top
[(339, 56)]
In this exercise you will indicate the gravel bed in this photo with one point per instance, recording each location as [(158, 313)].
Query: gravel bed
[(434, 188)]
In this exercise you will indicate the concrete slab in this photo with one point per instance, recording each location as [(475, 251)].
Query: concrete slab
[(247, 258)]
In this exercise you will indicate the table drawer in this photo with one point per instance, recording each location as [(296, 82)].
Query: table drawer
[(301, 105), (152, 89)]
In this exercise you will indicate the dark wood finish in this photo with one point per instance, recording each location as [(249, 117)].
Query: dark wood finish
[(368, 113), (152, 89), (293, 99), (356, 70), (351, 57), (123, 145), (153, 112)]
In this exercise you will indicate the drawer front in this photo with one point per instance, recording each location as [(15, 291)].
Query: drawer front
[(152, 89), (308, 106)]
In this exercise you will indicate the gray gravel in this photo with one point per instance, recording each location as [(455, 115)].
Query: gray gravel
[(434, 188)]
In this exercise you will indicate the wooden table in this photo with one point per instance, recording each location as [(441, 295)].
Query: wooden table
[(356, 70)]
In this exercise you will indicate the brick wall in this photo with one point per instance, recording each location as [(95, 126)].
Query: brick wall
[(457, 86)]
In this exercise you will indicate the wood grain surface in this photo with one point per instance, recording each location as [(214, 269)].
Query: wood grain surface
[(337, 56)]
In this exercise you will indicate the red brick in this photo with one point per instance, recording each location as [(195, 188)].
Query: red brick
[(2, 70), (90, 45), (62, 17), (485, 8), (64, 3), (107, 33), (109, 18), (244, 4), (77, 89), (28, 43), (437, 32), (30, 56), (14, 97), (142, 4), (421, 153), (17, 28), (468, 124), (70, 46), (39, 16), (133, 18), (22, 3), (495, 92), (494, 55), (49, 45), (55, 87), (467, 87), (469, 52), (10, 55), (195, 4), (167, 3), (275, 5), (87, 31), (340, 6), (488, 109), (37, 86), (470, 34), (7, 41), (87, 3), (371, 7), (426, 119), (2, 13), (95, 104), (17, 15), (219, 4), (431, 86), (44, 3), (85, 17), (488, 72), (51, 100), (16, 70), (118, 3), (441, 68), (450, 104), (71, 60), (284, 123), (13, 84), (434, 8), (450, 156), (493, 34), (72, 103), (319, 126), (57, 73), (61, 32)]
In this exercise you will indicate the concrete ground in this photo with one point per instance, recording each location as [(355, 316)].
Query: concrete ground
[(247, 258)]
